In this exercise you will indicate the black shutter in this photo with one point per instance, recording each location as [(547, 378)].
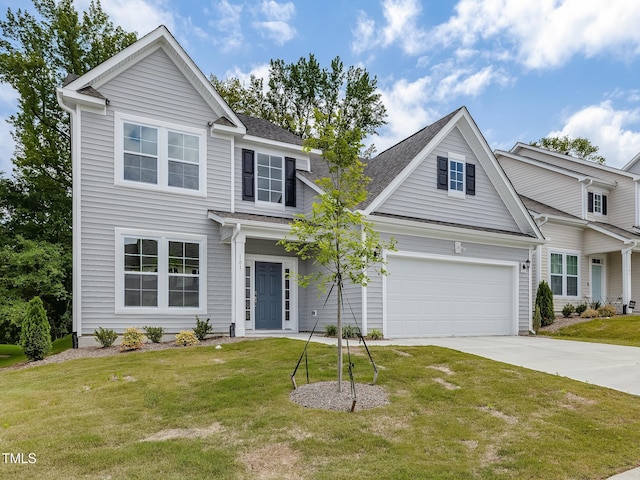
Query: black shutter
[(470, 172), (590, 202), (290, 182), (604, 204), (248, 181), (443, 173)]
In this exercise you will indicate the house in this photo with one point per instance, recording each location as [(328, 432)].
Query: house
[(589, 213), (179, 203)]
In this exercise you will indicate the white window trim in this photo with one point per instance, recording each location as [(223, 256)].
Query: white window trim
[(163, 239), (263, 205), (564, 254), (456, 157), (602, 195), (163, 154)]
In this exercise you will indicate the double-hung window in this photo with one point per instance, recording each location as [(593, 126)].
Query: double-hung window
[(597, 203), (564, 274), (456, 176), (160, 272), (268, 179), (158, 155)]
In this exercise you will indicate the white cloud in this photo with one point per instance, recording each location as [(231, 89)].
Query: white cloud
[(608, 128), (8, 96), (468, 83), (141, 16), (406, 104), (7, 146), (276, 23), (258, 71), (228, 24), (400, 27), (547, 33)]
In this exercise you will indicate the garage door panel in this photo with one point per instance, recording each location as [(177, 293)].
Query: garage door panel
[(434, 297)]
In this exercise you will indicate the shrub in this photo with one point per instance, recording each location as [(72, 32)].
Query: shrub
[(596, 305), (581, 308), (567, 310), (607, 310), (544, 300), (331, 330), (132, 339), (154, 333), (186, 338), (537, 320), (375, 334), (105, 337), (202, 328), (35, 337), (589, 313), (350, 331)]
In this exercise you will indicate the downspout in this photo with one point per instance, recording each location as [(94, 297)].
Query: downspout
[(76, 272), (234, 286)]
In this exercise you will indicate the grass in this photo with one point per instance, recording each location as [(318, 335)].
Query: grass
[(202, 413), (12, 354), (620, 330)]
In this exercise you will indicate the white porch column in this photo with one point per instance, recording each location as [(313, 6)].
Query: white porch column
[(237, 280), (626, 274)]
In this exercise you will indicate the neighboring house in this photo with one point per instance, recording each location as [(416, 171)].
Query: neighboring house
[(179, 203), (589, 213)]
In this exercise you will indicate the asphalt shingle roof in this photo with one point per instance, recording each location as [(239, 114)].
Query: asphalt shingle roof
[(259, 127)]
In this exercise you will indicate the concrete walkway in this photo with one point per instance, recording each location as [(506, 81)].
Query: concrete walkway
[(610, 366)]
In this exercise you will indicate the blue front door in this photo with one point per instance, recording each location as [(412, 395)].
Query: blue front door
[(268, 296)]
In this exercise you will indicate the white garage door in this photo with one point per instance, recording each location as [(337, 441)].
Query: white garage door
[(436, 297)]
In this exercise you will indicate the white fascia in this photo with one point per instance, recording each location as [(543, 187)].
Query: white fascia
[(446, 232)]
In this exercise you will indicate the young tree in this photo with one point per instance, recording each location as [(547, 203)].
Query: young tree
[(579, 147), (35, 337), (334, 235)]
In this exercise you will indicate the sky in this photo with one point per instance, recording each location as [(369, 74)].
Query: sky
[(525, 69)]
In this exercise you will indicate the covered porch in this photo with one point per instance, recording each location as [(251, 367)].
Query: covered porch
[(614, 270), (265, 297)]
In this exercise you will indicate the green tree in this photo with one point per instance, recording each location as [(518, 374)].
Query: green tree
[(579, 147), (35, 335), (544, 301), (30, 268), (37, 51), (296, 90), (334, 235)]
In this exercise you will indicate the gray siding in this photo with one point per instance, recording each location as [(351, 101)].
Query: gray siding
[(621, 200), (553, 189), (153, 88), (423, 245), (419, 197)]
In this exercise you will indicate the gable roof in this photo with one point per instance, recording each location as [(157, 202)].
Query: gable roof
[(579, 176), (86, 88), (519, 147), (386, 166), (262, 128)]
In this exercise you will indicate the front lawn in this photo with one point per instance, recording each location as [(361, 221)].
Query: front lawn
[(203, 413), (12, 354), (620, 330)]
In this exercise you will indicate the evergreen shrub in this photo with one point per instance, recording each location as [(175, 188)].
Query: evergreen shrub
[(35, 337)]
